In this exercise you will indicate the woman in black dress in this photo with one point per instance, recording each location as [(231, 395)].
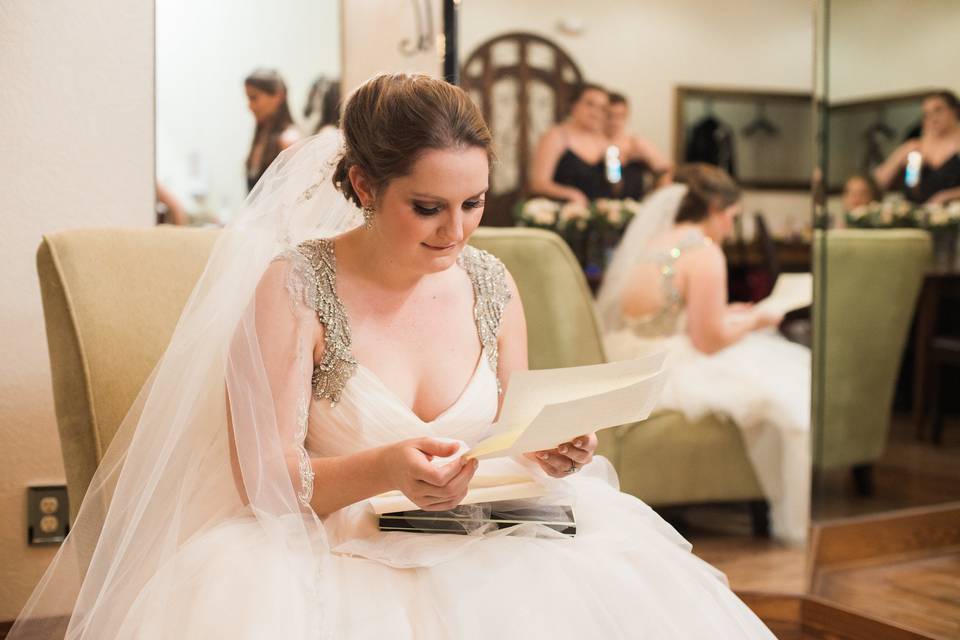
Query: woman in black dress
[(644, 167), (569, 161), (938, 155)]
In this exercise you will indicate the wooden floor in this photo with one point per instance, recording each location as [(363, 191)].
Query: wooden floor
[(912, 473), (921, 593)]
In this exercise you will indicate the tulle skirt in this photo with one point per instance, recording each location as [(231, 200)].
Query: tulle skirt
[(626, 574), (762, 383)]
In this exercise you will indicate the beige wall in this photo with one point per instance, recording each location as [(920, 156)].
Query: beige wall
[(372, 33), (879, 47), (76, 149), (645, 48)]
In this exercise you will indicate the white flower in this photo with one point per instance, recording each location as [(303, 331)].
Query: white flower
[(858, 213), (540, 211), (633, 206), (605, 205), (572, 211), (615, 216), (938, 216)]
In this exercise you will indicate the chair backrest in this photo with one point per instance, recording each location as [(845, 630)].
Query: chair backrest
[(865, 299), (562, 326), (111, 299)]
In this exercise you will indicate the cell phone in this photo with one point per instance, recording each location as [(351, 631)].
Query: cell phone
[(614, 169), (911, 176)]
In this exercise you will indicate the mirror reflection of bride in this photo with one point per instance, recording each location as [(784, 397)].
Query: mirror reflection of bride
[(324, 358), (666, 288)]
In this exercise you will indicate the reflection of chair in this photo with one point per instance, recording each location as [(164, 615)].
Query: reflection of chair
[(110, 303), (665, 460), (867, 288)]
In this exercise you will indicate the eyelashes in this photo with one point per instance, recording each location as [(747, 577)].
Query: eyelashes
[(426, 211)]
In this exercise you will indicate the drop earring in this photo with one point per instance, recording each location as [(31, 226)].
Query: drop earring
[(368, 217)]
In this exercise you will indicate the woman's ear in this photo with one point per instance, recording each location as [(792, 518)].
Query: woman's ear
[(361, 186)]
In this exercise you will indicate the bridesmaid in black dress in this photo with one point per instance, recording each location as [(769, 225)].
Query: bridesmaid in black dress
[(938, 162), (569, 160), (643, 164)]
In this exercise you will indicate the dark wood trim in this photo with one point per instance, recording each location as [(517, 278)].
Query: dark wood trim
[(751, 94), (926, 530), (880, 100), (806, 616)]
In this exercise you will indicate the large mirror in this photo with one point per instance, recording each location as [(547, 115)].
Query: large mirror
[(887, 445), (893, 162), (595, 112), (236, 83)]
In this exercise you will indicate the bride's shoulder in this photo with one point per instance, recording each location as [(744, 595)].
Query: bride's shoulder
[(294, 273), (486, 271)]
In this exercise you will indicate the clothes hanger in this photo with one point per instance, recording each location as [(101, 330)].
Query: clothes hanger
[(761, 123), (880, 126)]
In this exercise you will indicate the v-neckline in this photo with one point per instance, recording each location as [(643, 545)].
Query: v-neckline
[(450, 409), (390, 392)]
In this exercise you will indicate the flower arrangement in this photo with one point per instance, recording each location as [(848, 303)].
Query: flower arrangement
[(591, 231), (899, 214), (603, 213)]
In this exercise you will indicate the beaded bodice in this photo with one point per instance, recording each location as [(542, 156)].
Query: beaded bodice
[(667, 319), (338, 365)]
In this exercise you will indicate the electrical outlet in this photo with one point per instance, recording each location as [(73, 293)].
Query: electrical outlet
[(48, 514)]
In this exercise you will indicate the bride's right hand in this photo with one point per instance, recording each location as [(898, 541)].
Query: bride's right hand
[(763, 319), (432, 488)]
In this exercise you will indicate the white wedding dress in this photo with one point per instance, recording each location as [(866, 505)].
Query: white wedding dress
[(762, 382), (626, 574)]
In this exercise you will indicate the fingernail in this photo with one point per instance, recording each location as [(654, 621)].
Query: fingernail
[(562, 448), (542, 456), (578, 443)]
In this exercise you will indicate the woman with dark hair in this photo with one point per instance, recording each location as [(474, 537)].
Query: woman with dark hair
[(275, 131), (327, 357), (928, 167), (666, 289), (638, 156), (570, 160), (324, 101)]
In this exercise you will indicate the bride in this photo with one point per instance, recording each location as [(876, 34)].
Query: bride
[(666, 288), (357, 351)]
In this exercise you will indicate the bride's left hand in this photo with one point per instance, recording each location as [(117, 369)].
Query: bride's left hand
[(560, 462)]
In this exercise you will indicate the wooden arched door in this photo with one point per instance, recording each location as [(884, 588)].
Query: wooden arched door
[(523, 83)]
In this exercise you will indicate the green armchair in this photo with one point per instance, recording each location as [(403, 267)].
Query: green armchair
[(866, 293), (666, 460), (111, 299)]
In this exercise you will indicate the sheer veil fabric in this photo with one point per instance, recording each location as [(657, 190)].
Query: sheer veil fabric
[(655, 216), (168, 475)]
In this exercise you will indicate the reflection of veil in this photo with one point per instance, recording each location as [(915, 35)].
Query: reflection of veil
[(655, 216), (166, 476)]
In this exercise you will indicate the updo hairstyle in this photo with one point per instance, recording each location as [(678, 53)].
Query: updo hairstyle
[(708, 187), (391, 119)]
